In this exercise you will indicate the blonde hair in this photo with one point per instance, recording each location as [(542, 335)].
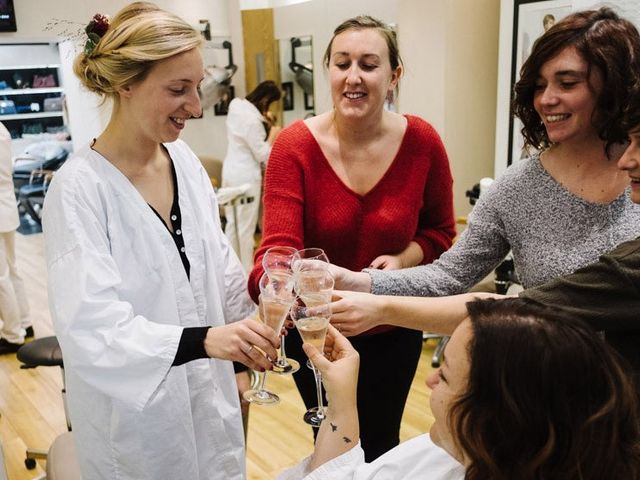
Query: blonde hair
[(138, 36)]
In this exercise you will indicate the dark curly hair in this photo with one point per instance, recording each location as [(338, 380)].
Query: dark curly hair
[(605, 41), (632, 112), (547, 398)]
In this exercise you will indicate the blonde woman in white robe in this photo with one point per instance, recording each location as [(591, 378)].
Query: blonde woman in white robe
[(147, 297)]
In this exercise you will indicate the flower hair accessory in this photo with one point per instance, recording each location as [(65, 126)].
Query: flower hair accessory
[(96, 28)]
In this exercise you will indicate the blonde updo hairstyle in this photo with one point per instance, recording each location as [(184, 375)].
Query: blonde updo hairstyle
[(138, 36)]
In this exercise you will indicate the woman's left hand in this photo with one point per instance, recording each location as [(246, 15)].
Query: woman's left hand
[(387, 262), (339, 367)]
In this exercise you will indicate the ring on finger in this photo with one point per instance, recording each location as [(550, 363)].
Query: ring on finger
[(249, 350)]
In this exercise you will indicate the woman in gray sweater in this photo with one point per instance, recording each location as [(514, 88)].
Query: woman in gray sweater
[(564, 207)]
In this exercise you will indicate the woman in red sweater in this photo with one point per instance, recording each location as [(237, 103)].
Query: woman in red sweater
[(373, 189)]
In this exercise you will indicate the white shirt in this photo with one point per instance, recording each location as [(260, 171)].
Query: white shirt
[(415, 459), (9, 220), (247, 148), (120, 297)]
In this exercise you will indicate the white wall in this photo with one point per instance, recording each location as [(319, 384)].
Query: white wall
[(450, 49), (470, 93)]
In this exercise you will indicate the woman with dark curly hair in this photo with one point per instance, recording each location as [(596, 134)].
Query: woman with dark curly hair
[(568, 203), (525, 392)]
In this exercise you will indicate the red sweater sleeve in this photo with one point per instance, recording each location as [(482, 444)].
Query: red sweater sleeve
[(436, 224), (283, 200)]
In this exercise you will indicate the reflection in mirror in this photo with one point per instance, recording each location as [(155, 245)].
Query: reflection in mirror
[(296, 71)]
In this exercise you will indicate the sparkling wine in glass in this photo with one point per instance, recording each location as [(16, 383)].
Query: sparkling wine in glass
[(312, 324), (313, 282), (276, 263), (275, 301)]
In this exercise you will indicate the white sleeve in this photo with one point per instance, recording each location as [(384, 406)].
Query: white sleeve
[(123, 355), (343, 467), (415, 458)]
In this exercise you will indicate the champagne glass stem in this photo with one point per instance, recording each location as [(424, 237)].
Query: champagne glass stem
[(282, 361), (263, 381), (318, 377)]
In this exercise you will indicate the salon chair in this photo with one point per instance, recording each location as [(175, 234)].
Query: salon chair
[(232, 197), (31, 195), (61, 458)]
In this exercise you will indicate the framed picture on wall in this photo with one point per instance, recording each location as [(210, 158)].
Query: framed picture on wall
[(531, 18), (308, 102), (222, 107), (287, 96)]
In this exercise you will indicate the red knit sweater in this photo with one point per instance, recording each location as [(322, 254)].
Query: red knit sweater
[(307, 205)]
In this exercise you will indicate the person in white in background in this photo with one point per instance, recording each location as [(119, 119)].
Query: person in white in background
[(147, 297), (14, 307), (250, 134)]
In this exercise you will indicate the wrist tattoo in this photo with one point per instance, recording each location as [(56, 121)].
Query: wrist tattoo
[(333, 427), (346, 439)]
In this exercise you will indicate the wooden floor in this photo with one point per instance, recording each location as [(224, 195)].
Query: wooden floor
[(32, 413)]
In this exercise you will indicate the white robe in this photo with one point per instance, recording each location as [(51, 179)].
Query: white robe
[(14, 306), (9, 220), (119, 297), (415, 459)]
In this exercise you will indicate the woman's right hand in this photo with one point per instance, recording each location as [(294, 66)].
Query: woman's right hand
[(339, 367), (355, 312), (238, 341), (349, 280)]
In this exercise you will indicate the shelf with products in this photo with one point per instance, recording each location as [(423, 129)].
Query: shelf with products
[(25, 116), (30, 91), (31, 99)]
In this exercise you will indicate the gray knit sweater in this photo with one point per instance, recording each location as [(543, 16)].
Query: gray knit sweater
[(550, 230)]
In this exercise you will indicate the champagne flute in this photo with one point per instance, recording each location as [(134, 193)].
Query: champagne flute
[(313, 281), (276, 262), (312, 324), (275, 301), (308, 256)]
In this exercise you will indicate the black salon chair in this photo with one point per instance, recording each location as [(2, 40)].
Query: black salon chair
[(61, 458)]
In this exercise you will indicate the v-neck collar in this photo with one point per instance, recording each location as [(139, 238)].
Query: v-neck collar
[(396, 160), (152, 216)]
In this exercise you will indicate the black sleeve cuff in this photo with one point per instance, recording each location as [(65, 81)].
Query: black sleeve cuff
[(239, 367), (191, 346)]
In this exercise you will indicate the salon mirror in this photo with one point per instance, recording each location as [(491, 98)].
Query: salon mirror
[(296, 72)]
